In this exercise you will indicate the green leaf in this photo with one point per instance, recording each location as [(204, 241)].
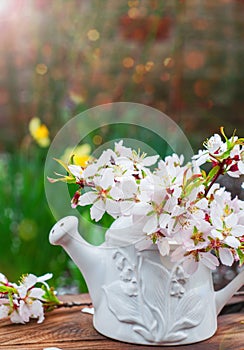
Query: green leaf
[(50, 296), (212, 173), (7, 289), (226, 154), (223, 133), (66, 179), (204, 174), (241, 256), (62, 164), (195, 181), (190, 187)]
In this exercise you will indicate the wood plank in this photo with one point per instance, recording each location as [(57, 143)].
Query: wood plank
[(71, 329)]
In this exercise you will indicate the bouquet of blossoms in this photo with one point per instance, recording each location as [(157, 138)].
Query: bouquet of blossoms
[(174, 202)]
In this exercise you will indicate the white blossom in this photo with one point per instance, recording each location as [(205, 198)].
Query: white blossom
[(173, 201)]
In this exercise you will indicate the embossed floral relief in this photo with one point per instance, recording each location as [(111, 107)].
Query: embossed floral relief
[(153, 299)]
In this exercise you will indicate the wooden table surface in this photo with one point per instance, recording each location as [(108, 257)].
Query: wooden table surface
[(69, 328)]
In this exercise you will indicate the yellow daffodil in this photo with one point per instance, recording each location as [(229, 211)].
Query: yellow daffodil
[(78, 156), (39, 132)]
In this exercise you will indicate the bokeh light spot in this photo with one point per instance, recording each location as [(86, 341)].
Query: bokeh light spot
[(137, 78), (149, 66), (168, 62), (140, 69), (27, 229), (133, 3), (93, 35), (76, 97), (134, 12), (195, 60), (97, 139), (128, 62), (41, 69)]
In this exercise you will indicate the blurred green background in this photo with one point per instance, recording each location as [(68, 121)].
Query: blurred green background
[(59, 58)]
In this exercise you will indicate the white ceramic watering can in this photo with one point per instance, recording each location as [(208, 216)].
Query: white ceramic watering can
[(142, 297)]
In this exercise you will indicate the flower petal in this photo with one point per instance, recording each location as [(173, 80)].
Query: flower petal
[(36, 293), (216, 221), (90, 171), (29, 281), (24, 311), (45, 277), (209, 260), (163, 246), (141, 209), (129, 188), (127, 207), (231, 220), (190, 265), (116, 193), (87, 198), (36, 310), (226, 257), (4, 310), (151, 225), (3, 279), (16, 318), (232, 241), (113, 208), (97, 210), (241, 166), (164, 220), (76, 170), (107, 179), (217, 234), (148, 161), (22, 290), (238, 230)]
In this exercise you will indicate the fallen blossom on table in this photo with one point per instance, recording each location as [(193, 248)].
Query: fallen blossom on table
[(28, 299)]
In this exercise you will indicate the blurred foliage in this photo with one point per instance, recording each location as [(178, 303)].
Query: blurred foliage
[(59, 58)]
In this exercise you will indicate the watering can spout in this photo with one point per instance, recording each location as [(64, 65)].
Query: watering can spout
[(223, 296), (86, 256)]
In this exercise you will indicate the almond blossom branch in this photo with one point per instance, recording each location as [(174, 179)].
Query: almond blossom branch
[(173, 202)]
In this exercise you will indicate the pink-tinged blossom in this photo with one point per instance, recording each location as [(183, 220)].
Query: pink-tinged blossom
[(214, 147), (191, 259), (163, 244), (236, 167), (26, 299), (196, 235), (226, 256), (226, 228)]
